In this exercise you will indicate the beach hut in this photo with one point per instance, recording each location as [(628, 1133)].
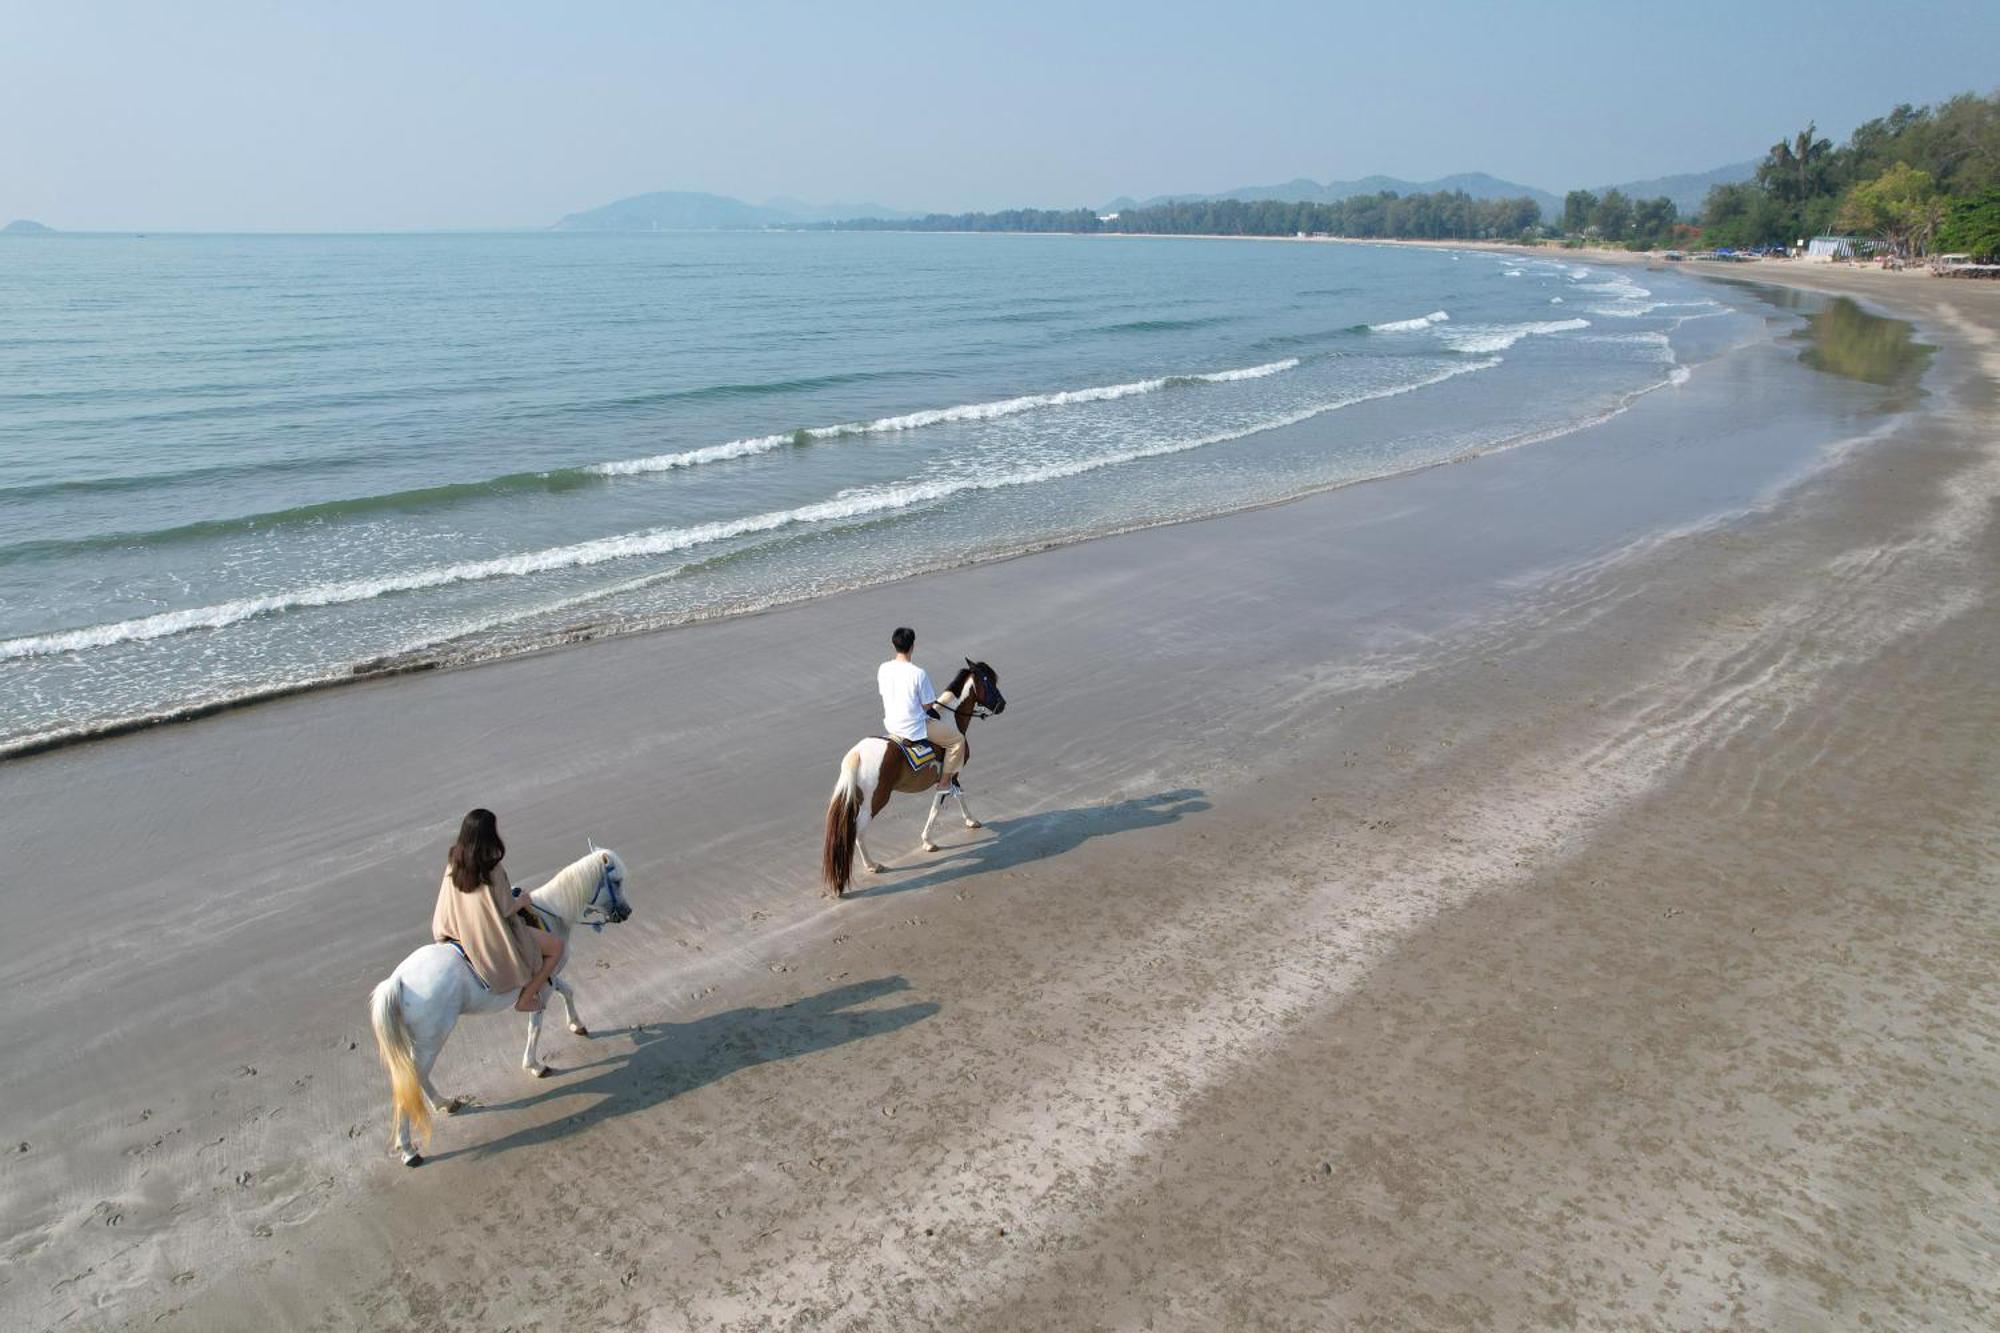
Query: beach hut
[(1826, 249)]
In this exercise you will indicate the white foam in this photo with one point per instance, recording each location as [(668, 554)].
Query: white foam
[(1484, 338), (1411, 325), (1247, 373), (1679, 375), (1555, 300), (1651, 338), (1004, 407), (1511, 273), (855, 503), (1639, 308), (1619, 287)]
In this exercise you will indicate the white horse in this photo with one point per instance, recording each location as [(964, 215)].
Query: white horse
[(414, 1011)]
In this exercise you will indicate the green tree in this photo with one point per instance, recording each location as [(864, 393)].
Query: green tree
[(1973, 227), (1612, 218), (1795, 170), (1652, 223), (1744, 215), (1901, 206), (1578, 205)]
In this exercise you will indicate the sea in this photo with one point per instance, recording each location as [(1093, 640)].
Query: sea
[(234, 466)]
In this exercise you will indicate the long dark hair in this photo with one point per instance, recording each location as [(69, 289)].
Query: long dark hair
[(476, 852)]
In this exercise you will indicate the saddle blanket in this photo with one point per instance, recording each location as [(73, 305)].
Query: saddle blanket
[(920, 755)]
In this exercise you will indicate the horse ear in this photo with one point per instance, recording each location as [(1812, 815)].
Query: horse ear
[(970, 662)]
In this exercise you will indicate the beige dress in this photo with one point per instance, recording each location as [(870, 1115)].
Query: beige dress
[(487, 923)]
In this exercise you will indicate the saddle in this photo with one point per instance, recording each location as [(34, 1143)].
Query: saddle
[(923, 757)]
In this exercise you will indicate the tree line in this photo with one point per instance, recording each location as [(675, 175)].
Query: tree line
[(1442, 215), (1921, 179), (1613, 219)]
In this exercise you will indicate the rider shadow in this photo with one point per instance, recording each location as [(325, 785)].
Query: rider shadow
[(670, 1059), (1051, 833)]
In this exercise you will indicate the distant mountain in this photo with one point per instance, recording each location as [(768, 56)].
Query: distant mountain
[(1475, 183), (687, 210), (1688, 190), (22, 226)]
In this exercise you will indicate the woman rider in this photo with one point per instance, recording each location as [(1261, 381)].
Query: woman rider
[(480, 909)]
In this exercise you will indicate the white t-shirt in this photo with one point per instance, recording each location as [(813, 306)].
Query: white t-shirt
[(905, 690)]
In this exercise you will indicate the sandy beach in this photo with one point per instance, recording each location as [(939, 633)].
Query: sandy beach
[(1455, 902)]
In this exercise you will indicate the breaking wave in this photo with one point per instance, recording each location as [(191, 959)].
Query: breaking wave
[(1004, 407), (1411, 325), (1486, 338), (856, 503)]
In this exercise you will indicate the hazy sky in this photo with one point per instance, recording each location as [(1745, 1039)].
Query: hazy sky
[(357, 115)]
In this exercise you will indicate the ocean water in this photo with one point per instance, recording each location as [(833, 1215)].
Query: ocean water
[(237, 465)]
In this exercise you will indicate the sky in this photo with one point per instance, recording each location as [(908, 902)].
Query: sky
[(285, 115)]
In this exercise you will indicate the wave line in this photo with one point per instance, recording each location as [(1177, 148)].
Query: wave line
[(624, 546)]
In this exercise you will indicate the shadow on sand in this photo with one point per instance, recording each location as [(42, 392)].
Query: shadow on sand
[(674, 1058), (1013, 842)]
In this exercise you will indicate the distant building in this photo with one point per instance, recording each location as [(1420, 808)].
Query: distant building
[(1107, 217), (1826, 249)]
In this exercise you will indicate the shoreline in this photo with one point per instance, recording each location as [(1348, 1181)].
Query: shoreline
[(413, 662), (430, 659), (1426, 971)]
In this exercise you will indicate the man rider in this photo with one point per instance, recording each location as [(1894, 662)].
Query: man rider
[(909, 705)]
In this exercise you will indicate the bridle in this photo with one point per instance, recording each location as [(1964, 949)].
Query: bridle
[(605, 900), (977, 678)]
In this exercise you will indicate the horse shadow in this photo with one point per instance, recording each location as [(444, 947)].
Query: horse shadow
[(671, 1059), (1038, 837)]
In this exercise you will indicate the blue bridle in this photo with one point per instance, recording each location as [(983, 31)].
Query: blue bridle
[(614, 909)]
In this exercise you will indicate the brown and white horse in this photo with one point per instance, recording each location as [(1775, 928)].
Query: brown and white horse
[(875, 768)]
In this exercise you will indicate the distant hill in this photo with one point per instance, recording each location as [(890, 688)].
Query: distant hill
[(1688, 190), (23, 226), (1475, 183), (687, 210)]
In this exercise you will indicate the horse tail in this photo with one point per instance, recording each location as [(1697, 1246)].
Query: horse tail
[(392, 1042), (837, 858)]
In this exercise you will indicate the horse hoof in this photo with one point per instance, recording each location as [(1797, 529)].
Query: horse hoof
[(414, 1159), (455, 1105), (579, 1029), (874, 869), (538, 1071), (973, 823), (930, 846)]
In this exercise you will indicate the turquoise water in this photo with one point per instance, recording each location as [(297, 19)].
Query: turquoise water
[(232, 465)]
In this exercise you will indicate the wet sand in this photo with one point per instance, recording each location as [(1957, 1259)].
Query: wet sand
[(1414, 906)]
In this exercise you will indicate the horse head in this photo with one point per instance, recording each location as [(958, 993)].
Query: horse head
[(986, 687), (607, 905), (589, 891)]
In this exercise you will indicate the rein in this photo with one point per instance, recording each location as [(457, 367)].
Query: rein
[(605, 889), (978, 709)]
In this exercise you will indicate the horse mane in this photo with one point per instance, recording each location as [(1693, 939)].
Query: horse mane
[(958, 683), (569, 890)]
